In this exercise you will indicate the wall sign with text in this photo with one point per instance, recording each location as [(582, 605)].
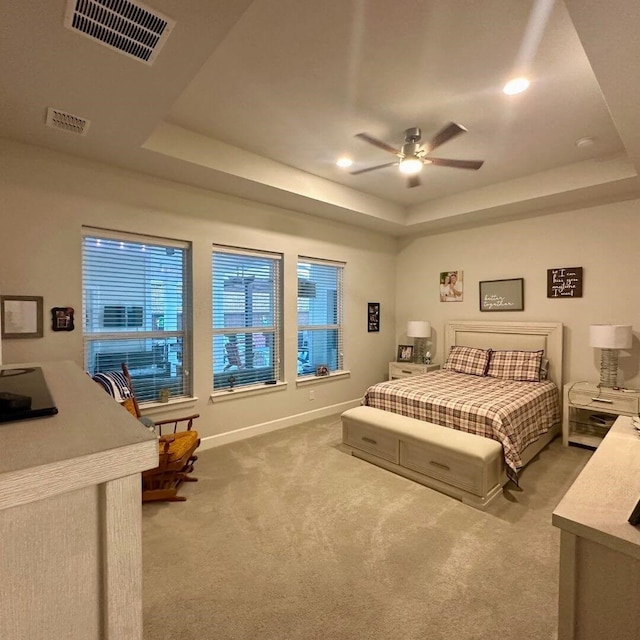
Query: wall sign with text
[(502, 295), (565, 282)]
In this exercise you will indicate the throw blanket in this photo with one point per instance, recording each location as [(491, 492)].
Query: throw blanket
[(115, 384)]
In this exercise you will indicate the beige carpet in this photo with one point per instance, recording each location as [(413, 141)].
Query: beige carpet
[(285, 537)]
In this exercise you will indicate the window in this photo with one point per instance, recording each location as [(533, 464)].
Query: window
[(319, 315), (135, 298), (246, 317)]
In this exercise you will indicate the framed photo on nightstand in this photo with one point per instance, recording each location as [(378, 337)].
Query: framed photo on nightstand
[(405, 353)]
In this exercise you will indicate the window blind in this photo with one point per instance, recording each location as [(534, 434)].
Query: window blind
[(246, 306), (320, 315), (137, 310)]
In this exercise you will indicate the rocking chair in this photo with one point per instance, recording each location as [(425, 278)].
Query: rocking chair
[(176, 450)]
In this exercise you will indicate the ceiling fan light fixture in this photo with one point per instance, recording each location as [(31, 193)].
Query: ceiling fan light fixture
[(517, 85), (413, 156), (410, 166), (344, 162)]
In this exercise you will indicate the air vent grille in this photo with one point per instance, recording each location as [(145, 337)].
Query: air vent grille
[(128, 27), (67, 122)]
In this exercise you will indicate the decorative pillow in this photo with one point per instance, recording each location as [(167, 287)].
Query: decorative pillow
[(544, 369), (468, 360), (515, 365)]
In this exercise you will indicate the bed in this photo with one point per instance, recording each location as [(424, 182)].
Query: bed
[(468, 429)]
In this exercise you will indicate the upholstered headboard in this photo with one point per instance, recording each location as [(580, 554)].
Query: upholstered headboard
[(510, 335)]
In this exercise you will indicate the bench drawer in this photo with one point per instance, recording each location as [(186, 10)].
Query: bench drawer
[(384, 444), (454, 468)]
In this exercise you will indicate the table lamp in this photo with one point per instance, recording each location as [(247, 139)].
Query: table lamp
[(419, 330), (610, 338)]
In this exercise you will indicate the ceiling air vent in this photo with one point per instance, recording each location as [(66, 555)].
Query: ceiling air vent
[(128, 27), (60, 120)]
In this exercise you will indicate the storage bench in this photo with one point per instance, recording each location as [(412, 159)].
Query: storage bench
[(466, 466)]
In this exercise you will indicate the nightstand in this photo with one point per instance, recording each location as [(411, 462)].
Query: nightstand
[(589, 411), (406, 369)]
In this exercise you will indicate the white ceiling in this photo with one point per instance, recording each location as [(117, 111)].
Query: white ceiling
[(259, 99)]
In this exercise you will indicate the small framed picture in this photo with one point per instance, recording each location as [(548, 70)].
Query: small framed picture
[(21, 316), (373, 317), (62, 319), (451, 286), (405, 353)]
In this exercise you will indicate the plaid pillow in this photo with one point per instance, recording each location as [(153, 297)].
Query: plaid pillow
[(516, 365), (468, 360)]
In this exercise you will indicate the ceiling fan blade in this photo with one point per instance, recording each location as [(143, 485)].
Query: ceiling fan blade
[(380, 166), (457, 164), (413, 181), (377, 143), (444, 135)]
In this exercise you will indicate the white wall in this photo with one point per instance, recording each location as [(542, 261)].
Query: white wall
[(603, 240), (48, 197)]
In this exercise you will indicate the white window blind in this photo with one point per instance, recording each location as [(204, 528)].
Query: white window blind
[(246, 301), (320, 315), (137, 310)]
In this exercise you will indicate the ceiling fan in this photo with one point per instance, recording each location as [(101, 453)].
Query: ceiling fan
[(413, 156)]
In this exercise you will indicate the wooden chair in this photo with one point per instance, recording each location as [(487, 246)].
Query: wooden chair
[(176, 449)]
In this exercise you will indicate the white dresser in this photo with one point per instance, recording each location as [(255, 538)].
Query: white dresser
[(70, 516), (599, 549)]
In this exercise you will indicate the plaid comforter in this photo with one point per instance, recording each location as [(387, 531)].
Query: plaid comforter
[(513, 413)]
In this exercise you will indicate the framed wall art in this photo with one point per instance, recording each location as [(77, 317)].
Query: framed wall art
[(62, 319), (502, 295), (21, 316), (564, 282), (451, 286), (373, 317)]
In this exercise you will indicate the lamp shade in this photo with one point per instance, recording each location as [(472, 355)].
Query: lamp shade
[(610, 336), (418, 329)]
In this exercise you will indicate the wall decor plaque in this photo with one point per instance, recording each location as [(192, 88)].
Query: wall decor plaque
[(564, 282), (21, 316), (502, 295), (373, 316)]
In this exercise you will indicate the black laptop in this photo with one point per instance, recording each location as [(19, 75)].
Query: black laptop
[(24, 394)]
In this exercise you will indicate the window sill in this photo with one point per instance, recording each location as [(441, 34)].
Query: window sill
[(149, 408), (308, 380), (253, 390)]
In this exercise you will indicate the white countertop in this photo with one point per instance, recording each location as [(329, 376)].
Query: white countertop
[(92, 439), (598, 504)]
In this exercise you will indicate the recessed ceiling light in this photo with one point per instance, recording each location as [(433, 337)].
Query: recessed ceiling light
[(517, 85), (584, 142), (344, 162)]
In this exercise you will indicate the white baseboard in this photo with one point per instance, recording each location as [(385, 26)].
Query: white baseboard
[(209, 442)]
